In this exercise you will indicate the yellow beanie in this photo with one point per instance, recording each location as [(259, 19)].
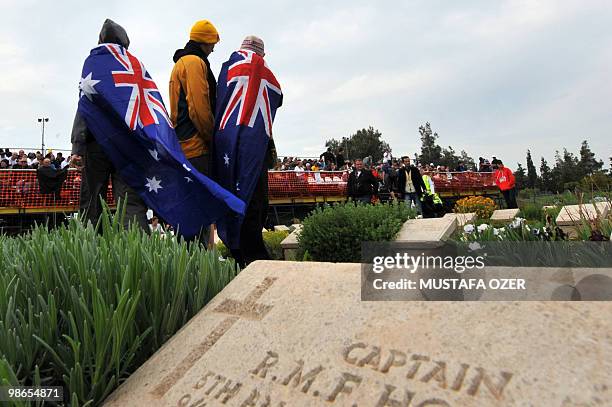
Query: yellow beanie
[(204, 31)]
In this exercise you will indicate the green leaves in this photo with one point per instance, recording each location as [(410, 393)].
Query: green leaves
[(334, 233), (83, 309)]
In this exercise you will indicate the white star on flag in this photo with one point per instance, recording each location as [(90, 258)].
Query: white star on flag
[(237, 186), (226, 159), (188, 179), (154, 154), (87, 87), (187, 168), (153, 184)]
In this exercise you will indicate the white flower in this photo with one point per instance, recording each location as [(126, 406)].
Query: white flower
[(474, 246), (497, 231), (517, 223), (527, 228), (483, 227), (469, 228)]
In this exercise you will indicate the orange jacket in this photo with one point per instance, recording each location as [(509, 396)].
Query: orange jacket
[(504, 178), (190, 109)]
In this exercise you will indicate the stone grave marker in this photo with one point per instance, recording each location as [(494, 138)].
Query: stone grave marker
[(462, 218), (572, 215), (290, 243), (504, 215), (423, 231), (279, 228), (298, 334)]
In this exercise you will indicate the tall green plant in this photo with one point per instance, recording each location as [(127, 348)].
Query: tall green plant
[(83, 309)]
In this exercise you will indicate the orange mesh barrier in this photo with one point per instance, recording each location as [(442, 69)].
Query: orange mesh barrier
[(19, 188), (462, 181), (291, 184)]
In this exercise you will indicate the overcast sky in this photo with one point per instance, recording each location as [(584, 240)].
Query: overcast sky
[(492, 77)]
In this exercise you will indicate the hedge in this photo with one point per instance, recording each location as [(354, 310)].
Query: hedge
[(334, 233)]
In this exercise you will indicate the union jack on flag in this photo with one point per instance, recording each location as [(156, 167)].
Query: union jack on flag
[(250, 96), (145, 99)]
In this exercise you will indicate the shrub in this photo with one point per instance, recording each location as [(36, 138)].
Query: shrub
[(272, 240), (482, 206), (334, 233), (83, 310), (532, 212)]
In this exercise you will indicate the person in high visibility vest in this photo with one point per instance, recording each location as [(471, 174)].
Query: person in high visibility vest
[(432, 204)]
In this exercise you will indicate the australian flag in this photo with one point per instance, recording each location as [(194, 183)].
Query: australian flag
[(248, 95), (125, 112)]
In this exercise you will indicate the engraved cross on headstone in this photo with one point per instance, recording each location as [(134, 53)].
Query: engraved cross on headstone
[(247, 309)]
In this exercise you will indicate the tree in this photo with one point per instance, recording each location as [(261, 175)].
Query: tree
[(431, 152), (364, 143), (520, 177), (546, 177), (588, 164), (532, 175), (468, 161), (449, 159)]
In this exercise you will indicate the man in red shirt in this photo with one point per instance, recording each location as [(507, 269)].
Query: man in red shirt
[(504, 178)]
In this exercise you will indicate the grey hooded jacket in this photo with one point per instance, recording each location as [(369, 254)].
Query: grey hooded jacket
[(111, 33)]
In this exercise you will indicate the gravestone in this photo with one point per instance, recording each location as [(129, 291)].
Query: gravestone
[(504, 215), (298, 334), (417, 232), (571, 216), (281, 228), (290, 244), (462, 218)]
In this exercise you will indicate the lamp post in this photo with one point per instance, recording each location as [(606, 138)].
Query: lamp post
[(43, 120)]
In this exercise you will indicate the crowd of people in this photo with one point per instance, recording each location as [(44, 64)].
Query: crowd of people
[(19, 160)]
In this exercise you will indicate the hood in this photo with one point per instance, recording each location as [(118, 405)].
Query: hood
[(113, 33)]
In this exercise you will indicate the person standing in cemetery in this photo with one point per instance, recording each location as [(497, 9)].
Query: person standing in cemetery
[(410, 184), (193, 96), (88, 155), (504, 178), (244, 147), (362, 185), (340, 158)]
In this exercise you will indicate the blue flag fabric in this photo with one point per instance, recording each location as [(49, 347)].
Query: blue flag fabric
[(248, 95), (125, 112)]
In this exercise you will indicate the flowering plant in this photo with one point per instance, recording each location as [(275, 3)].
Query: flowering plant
[(482, 206)]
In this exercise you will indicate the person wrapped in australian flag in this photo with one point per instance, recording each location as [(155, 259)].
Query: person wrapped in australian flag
[(248, 96), (123, 109)]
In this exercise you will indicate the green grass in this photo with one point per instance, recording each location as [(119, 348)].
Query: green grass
[(83, 310)]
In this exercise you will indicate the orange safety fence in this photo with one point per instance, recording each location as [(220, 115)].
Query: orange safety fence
[(292, 184), (462, 181), (19, 188)]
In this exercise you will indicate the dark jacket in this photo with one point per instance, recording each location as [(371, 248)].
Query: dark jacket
[(339, 160), (365, 184), (417, 180), (111, 33)]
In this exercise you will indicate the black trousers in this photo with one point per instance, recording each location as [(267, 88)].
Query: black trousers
[(202, 164), (94, 185), (252, 246), (510, 197)]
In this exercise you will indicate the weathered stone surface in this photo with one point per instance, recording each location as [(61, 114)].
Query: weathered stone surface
[(571, 214), (290, 244), (462, 218), (427, 230), (281, 228), (297, 334), (504, 215)]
